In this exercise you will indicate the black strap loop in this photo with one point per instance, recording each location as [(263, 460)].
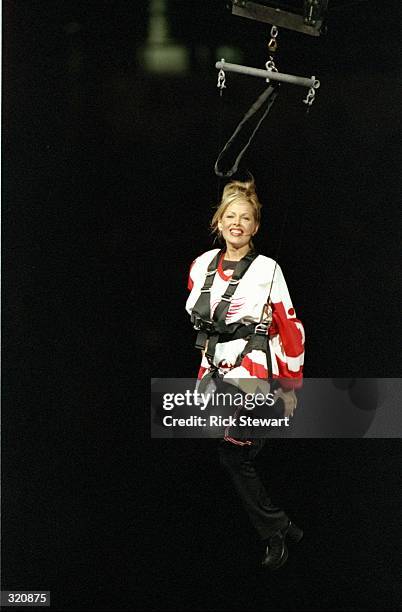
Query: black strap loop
[(269, 96)]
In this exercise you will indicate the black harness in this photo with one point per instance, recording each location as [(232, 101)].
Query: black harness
[(212, 330)]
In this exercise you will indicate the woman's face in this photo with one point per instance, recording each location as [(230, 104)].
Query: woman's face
[(238, 224)]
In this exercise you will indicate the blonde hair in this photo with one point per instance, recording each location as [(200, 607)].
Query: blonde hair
[(237, 191)]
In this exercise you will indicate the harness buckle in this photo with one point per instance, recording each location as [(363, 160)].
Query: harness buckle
[(196, 323), (261, 329), (201, 325)]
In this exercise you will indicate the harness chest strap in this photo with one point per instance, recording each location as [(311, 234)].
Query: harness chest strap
[(201, 314), (216, 330)]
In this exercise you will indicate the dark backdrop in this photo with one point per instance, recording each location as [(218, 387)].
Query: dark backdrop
[(108, 188)]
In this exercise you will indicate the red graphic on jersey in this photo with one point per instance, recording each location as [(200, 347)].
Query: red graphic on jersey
[(291, 335), (235, 305)]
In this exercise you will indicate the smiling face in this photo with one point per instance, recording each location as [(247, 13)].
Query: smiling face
[(238, 224)]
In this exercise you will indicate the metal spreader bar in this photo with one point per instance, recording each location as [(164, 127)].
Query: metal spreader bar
[(267, 74)]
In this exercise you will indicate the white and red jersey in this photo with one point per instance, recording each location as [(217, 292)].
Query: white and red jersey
[(286, 334)]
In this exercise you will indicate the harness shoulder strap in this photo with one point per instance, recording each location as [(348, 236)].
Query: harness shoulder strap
[(201, 314), (202, 307), (241, 268)]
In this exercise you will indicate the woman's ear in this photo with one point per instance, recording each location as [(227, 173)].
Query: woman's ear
[(220, 226), (257, 227)]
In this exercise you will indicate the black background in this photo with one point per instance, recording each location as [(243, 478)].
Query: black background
[(108, 188)]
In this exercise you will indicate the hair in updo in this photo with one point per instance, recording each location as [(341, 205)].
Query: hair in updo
[(237, 191)]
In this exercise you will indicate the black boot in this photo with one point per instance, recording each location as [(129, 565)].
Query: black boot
[(276, 552), (294, 534)]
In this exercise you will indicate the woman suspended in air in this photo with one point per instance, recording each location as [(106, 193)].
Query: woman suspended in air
[(249, 335)]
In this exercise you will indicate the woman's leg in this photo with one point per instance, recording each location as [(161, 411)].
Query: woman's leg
[(238, 461)]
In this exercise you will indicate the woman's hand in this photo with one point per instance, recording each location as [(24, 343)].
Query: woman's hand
[(289, 400)]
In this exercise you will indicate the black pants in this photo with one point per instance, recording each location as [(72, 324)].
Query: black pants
[(239, 463)]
